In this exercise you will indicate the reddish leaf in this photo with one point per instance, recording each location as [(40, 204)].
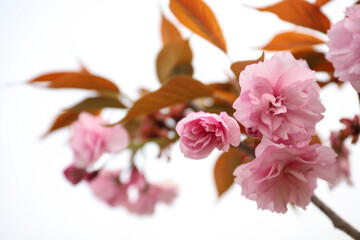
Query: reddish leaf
[(225, 166), (301, 13), (226, 96), (222, 86), (199, 18), (291, 40), (82, 80), (321, 2), (180, 89), (92, 105), (168, 31), (97, 103), (174, 59), (316, 60), (63, 120), (238, 67)]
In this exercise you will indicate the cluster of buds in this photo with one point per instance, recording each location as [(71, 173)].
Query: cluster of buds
[(160, 123)]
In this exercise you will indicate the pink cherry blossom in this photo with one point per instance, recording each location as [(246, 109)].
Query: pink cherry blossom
[(152, 194), (148, 194), (91, 139), (279, 99), (344, 45), (201, 132), (281, 174), (107, 187), (342, 162)]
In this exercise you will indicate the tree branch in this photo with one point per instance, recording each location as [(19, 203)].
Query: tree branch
[(336, 219)]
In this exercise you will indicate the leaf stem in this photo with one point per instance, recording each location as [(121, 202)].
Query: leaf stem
[(337, 221)]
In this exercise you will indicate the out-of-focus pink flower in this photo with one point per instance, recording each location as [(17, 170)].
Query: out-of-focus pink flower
[(91, 139), (280, 174), (344, 45), (201, 132), (106, 186), (342, 161), (152, 194), (352, 128), (279, 99)]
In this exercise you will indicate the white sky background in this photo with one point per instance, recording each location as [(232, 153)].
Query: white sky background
[(120, 40)]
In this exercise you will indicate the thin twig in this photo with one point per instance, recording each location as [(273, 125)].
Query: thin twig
[(336, 219)]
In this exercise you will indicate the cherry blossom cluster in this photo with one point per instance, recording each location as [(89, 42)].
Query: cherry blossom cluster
[(91, 139), (278, 106), (279, 101)]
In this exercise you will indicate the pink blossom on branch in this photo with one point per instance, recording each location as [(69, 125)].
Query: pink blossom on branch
[(342, 161), (279, 99), (344, 45), (280, 174), (148, 194), (91, 139), (152, 194), (107, 186), (200, 133)]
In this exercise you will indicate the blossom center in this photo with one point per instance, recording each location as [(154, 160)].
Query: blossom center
[(276, 105)]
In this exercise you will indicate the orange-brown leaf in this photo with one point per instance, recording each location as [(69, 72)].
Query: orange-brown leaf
[(92, 105), (321, 2), (97, 103), (179, 89), (64, 119), (224, 168), (174, 59), (222, 86), (82, 80), (301, 13), (316, 60), (238, 67), (291, 40), (168, 31), (226, 96), (199, 18)]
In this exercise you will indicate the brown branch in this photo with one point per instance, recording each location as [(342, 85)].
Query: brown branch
[(336, 219)]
